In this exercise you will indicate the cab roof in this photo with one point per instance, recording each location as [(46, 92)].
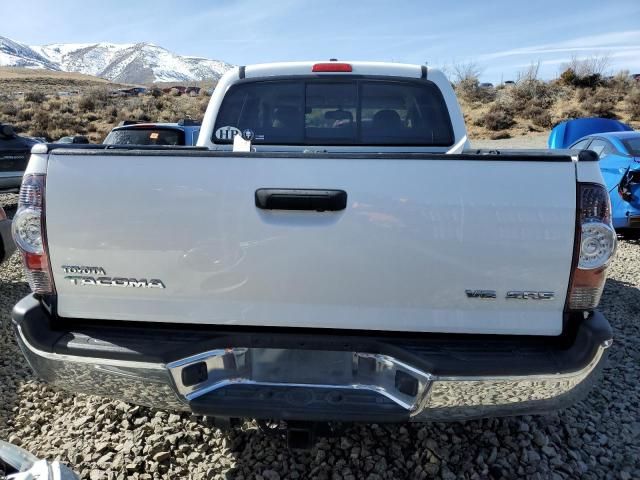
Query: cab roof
[(357, 68)]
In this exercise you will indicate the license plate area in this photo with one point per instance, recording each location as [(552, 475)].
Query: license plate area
[(217, 369)]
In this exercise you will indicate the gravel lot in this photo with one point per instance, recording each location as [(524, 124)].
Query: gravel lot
[(529, 141), (598, 438)]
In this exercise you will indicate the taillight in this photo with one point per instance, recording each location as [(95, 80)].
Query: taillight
[(630, 179), (595, 246), (29, 234), (332, 67)]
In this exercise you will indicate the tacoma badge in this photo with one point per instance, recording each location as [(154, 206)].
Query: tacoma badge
[(116, 282), (104, 281)]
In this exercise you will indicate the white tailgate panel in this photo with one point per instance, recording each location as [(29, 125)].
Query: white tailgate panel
[(414, 236)]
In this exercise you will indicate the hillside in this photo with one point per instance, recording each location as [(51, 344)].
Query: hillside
[(125, 63), (528, 109), (15, 79)]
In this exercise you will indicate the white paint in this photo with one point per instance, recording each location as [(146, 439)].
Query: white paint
[(414, 236), (359, 68)]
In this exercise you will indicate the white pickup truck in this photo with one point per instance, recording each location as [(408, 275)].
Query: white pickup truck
[(330, 251)]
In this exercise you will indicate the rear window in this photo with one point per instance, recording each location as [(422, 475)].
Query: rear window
[(145, 136), (336, 112), (633, 145)]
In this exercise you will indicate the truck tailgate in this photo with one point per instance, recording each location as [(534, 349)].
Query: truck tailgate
[(416, 234)]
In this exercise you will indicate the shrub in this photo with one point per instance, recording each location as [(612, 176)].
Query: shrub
[(100, 96), (203, 105), (500, 136), (621, 83), (498, 118), (34, 97), (40, 120), (141, 115), (10, 109), (601, 103), (530, 93), (25, 114), (586, 72), (632, 103), (86, 103), (539, 116), (467, 84), (112, 111), (582, 94), (568, 77), (571, 113)]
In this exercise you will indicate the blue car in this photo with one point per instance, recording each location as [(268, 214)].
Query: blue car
[(618, 147)]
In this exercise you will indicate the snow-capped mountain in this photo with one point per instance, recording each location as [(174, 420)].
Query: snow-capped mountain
[(15, 54), (124, 63)]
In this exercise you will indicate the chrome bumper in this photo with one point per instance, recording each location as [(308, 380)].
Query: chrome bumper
[(298, 384)]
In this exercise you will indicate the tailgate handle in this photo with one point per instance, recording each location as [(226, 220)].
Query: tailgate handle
[(318, 200)]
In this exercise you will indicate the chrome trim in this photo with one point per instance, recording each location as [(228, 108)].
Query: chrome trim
[(440, 398), (459, 397), (247, 366), (60, 357)]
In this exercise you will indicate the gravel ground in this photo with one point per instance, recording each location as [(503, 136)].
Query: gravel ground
[(529, 141), (597, 438)]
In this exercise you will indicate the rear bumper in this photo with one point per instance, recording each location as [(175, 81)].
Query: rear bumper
[(318, 376)]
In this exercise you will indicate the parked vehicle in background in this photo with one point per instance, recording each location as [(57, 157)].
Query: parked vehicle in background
[(76, 139), (567, 133), (618, 150), (329, 252), (129, 92), (14, 155), (7, 245), (184, 132), (486, 85)]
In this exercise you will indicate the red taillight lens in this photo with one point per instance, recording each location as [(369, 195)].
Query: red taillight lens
[(332, 67), (29, 234), (595, 246)]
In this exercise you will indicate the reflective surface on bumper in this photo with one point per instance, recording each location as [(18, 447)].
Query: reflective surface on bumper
[(429, 397), (295, 368), (453, 398), (135, 382)]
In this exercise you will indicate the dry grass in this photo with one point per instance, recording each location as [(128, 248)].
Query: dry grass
[(535, 106), (37, 102), (528, 107)]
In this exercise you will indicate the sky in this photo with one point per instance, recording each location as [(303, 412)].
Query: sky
[(502, 37)]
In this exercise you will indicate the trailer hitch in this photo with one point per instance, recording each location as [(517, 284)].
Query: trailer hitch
[(300, 435)]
